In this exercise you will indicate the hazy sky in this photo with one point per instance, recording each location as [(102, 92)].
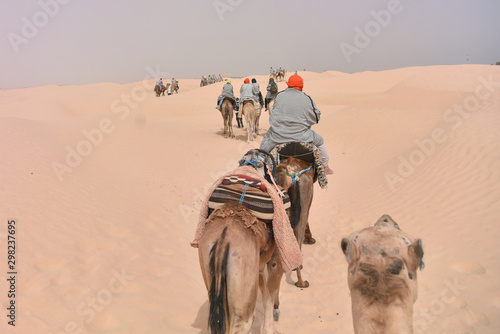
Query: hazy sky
[(88, 41)]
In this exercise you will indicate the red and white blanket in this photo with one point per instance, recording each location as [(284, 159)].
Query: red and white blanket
[(287, 245)]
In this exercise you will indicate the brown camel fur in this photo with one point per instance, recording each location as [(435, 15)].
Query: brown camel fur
[(175, 88), (382, 276), (280, 75), (251, 118), (226, 111), (270, 106), (233, 250), (301, 195), (160, 90)]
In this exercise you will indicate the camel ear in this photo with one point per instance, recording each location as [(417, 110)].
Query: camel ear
[(349, 249), (416, 252)]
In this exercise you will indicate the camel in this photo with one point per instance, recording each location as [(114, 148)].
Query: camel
[(233, 251), (226, 111), (233, 270), (160, 90), (301, 195), (382, 276), (280, 75), (270, 106), (175, 88), (251, 118)]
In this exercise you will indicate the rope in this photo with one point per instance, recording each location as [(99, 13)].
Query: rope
[(274, 183), (268, 240), (243, 193), (295, 177)]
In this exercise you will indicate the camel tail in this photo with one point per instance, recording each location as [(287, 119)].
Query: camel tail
[(294, 193), (217, 294)]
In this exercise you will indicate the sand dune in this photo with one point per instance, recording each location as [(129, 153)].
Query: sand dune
[(105, 183)]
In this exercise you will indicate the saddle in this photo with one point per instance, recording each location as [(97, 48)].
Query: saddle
[(303, 151), (230, 99), (247, 191), (256, 105)]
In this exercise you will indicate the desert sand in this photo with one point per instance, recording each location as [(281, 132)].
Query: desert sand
[(104, 183)]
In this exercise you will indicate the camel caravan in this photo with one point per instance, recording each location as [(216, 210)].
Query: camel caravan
[(278, 75), (170, 88), (255, 219), (211, 79), (248, 106)]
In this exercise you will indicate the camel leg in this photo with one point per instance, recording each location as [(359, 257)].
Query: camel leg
[(242, 291), (226, 127), (224, 120), (257, 125), (300, 234), (308, 238), (300, 282), (275, 274), (230, 126), (268, 325)]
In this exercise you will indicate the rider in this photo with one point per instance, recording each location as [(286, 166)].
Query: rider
[(256, 91), (272, 91), (227, 90), (246, 91), (293, 115), (160, 83), (174, 82)]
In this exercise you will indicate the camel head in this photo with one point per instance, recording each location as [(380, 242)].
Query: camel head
[(382, 276), (262, 161)]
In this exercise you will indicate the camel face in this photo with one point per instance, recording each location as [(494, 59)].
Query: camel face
[(382, 276), (260, 160)]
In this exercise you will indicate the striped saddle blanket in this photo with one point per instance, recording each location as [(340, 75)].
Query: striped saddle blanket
[(247, 191)]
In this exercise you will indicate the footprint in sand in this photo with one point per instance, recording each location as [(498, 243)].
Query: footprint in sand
[(469, 268)]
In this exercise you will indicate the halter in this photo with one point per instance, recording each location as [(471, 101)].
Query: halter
[(295, 176), (249, 162)]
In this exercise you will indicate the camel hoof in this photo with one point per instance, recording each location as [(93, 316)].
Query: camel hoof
[(305, 285), (276, 314), (309, 241)]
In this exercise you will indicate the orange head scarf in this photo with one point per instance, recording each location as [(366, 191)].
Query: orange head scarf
[(295, 81)]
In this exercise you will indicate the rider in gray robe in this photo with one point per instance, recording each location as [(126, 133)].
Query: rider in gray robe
[(227, 90), (293, 115)]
